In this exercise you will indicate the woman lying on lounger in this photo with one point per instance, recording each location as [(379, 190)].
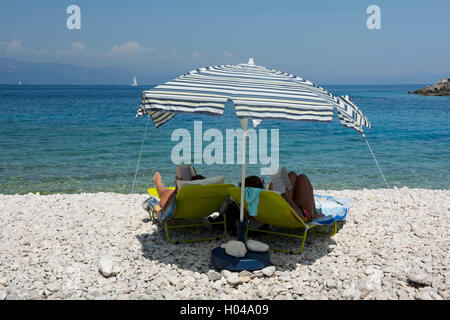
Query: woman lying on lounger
[(300, 198), (168, 195)]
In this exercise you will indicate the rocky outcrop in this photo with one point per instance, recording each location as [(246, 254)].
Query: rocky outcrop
[(442, 88)]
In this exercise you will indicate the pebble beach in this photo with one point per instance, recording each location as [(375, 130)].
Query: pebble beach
[(393, 245)]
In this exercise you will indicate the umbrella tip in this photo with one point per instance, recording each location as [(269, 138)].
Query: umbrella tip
[(251, 62)]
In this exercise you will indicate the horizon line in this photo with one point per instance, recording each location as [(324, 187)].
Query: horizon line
[(155, 84)]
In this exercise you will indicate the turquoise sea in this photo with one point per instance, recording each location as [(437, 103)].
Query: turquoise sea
[(71, 139)]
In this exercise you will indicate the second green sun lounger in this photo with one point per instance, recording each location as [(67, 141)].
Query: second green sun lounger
[(195, 203), (275, 211)]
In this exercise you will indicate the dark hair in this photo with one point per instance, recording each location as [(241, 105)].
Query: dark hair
[(198, 177), (254, 182)]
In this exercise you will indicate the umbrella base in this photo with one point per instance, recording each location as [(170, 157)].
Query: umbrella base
[(252, 260)]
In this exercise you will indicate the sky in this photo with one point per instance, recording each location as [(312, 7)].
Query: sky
[(324, 41)]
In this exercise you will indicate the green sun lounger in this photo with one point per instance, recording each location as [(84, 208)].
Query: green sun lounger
[(274, 210), (195, 203)]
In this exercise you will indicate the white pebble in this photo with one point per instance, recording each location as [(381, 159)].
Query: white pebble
[(108, 267), (236, 248), (256, 246)]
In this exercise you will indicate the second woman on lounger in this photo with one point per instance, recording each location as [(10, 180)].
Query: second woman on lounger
[(300, 197)]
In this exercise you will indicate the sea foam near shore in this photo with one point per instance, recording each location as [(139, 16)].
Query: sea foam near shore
[(393, 245)]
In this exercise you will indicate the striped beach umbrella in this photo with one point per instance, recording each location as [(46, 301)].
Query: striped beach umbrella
[(257, 92)]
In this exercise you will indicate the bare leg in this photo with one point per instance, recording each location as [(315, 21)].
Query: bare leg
[(163, 192), (304, 195), (293, 177)]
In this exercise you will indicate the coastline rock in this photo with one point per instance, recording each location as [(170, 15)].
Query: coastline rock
[(442, 88)]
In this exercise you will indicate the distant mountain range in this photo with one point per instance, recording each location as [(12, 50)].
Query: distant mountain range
[(12, 71)]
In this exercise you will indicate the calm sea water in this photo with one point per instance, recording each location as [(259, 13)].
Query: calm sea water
[(70, 139)]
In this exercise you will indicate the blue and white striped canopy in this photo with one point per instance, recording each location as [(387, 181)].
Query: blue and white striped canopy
[(257, 93)]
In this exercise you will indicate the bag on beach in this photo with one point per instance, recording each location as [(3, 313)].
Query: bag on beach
[(231, 212), (150, 203)]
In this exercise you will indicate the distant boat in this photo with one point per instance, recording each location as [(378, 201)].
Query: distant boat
[(20, 83), (134, 84)]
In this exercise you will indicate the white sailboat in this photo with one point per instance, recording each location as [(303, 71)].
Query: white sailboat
[(20, 83), (134, 84)]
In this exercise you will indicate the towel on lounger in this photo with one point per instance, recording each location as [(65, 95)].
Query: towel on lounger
[(334, 209), (252, 198)]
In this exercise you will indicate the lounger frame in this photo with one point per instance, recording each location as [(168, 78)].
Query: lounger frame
[(167, 227), (292, 235), (275, 211), (195, 203)]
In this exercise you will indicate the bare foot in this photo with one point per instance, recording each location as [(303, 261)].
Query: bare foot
[(318, 215), (157, 180)]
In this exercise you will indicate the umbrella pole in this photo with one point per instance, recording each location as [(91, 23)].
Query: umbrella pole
[(220, 259), (241, 226)]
